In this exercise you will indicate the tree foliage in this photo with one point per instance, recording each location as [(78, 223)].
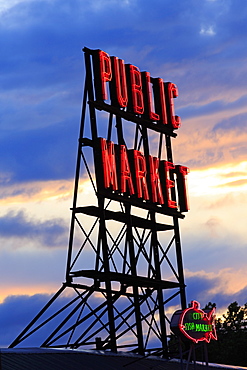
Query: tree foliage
[(230, 348)]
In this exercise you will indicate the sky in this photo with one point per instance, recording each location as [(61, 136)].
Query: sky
[(200, 45)]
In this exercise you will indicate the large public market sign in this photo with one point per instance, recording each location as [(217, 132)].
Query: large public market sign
[(137, 97)]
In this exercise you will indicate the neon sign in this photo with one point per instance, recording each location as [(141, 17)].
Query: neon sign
[(194, 323), (128, 174), (134, 90)]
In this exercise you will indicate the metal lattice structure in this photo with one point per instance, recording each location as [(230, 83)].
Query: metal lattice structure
[(124, 262)]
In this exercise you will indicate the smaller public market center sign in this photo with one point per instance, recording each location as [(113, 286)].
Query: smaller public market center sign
[(194, 323)]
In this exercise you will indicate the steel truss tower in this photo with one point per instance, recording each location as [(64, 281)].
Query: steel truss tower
[(124, 264)]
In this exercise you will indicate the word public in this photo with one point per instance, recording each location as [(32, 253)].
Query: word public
[(135, 91), (130, 173)]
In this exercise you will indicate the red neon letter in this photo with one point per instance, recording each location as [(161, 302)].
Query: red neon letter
[(119, 80), (182, 173), (157, 196), (148, 96), (171, 93), (136, 88), (109, 164), (105, 72), (140, 175), (125, 174), (165, 168), (159, 99)]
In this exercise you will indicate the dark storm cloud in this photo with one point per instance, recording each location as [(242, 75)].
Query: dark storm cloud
[(52, 233)]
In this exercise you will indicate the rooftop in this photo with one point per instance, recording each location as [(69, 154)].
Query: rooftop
[(59, 359)]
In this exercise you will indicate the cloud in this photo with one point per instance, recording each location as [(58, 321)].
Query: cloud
[(36, 191), (52, 233), (213, 232), (43, 75), (210, 148), (208, 31), (6, 5), (215, 287), (236, 183), (17, 311), (26, 269), (236, 122), (40, 154)]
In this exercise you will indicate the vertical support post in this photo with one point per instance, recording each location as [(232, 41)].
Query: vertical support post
[(154, 241), (180, 264), (130, 242), (177, 233), (103, 238), (206, 354), (180, 346), (76, 184), (154, 245), (189, 356)]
